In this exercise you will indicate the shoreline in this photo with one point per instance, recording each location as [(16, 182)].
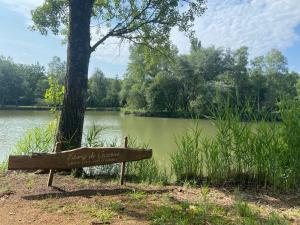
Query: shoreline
[(46, 108)]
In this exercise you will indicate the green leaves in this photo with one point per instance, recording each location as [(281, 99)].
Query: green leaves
[(54, 95), (146, 22), (52, 15)]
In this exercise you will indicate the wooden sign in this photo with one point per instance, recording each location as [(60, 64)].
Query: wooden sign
[(77, 158)]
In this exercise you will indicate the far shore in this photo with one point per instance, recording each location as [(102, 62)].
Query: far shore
[(47, 108)]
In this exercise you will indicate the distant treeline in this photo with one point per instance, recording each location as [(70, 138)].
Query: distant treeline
[(166, 83), (27, 85), (206, 77)]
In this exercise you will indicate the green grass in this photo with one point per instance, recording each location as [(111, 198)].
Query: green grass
[(205, 212), (249, 216), (265, 154), (187, 214), (38, 139), (3, 167), (137, 195)]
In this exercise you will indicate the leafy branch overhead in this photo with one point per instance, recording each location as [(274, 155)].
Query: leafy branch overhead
[(146, 22)]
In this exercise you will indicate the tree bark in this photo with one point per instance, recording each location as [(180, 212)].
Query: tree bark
[(70, 126)]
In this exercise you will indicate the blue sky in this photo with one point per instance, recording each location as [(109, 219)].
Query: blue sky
[(259, 24)]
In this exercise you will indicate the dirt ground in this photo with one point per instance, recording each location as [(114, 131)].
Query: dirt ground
[(26, 199)]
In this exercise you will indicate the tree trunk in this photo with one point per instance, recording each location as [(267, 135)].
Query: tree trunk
[(70, 126)]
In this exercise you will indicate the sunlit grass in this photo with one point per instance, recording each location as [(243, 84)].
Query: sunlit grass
[(265, 154)]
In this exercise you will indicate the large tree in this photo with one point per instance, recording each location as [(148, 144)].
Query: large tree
[(145, 22)]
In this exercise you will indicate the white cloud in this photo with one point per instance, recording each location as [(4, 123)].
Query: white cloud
[(258, 24), (23, 7), (112, 52)]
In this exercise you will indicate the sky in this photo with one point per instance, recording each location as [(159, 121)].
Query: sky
[(259, 24)]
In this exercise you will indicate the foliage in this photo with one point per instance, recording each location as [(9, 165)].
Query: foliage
[(145, 22), (57, 68), (264, 154), (55, 93), (20, 83), (38, 139), (103, 91), (194, 82), (184, 84)]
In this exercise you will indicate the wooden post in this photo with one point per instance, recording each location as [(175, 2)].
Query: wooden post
[(50, 178), (51, 173), (123, 163)]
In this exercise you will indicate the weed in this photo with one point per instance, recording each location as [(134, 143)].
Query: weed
[(186, 214), (276, 220), (137, 195), (115, 206), (3, 167), (103, 214)]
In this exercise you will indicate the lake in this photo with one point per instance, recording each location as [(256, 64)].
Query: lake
[(158, 133)]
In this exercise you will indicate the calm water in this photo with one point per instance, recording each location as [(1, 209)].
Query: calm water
[(159, 133)]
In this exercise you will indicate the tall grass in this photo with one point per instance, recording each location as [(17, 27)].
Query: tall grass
[(148, 170), (38, 139), (139, 171), (186, 163), (263, 153)]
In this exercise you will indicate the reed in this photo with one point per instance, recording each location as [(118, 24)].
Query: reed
[(261, 153), (38, 139)]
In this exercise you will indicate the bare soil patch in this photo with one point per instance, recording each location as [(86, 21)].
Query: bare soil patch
[(25, 199)]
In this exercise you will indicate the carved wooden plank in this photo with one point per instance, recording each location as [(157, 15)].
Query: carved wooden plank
[(77, 158)]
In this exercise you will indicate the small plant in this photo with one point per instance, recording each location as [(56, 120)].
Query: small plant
[(137, 195), (103, 214), (93, 137), (3, 167), (204, 192), (243, 210), (29, 182), (115, 206), (276, 220)]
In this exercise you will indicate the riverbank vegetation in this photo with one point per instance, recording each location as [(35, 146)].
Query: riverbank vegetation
[(246, 174), (171, 85), (259, 154)]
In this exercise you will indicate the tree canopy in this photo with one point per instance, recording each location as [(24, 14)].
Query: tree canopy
[(146, 22)]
